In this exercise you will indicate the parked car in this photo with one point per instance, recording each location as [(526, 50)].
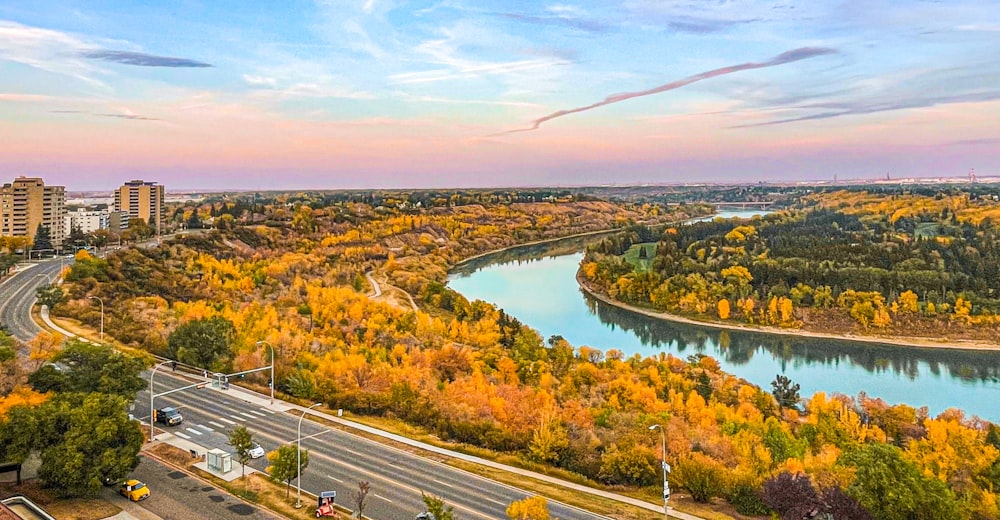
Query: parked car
[(256, 451), (426, 515), (134, 490), (169, 416)]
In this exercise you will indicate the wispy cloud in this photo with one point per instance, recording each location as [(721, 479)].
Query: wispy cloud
[(781, 59), (560, 15), (468, 70), (141, 60), (124, 115), (48, 50)]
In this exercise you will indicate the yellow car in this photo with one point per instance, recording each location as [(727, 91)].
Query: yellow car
[(134, 490)]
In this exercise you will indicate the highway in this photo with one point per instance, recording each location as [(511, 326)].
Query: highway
[(339, 460), (17, 294)]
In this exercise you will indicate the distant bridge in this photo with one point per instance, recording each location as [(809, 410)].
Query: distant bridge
[(742, 204)]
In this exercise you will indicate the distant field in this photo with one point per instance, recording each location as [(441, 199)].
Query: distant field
[(927, 230)]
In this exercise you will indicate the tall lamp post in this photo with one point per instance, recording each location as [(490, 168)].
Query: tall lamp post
[(666, 468), (262, 342), (298, 458), (102, 314), (152, 432)]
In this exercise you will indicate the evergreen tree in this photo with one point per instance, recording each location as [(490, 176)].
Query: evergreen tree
[(43, 239)]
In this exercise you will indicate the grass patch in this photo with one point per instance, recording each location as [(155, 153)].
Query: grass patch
[(62, 508), (638, 261)]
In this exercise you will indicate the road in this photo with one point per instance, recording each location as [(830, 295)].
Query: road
[(17, 294), (175, 495), (339, 460)]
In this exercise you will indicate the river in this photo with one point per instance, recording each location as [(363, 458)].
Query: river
[(537, 284)]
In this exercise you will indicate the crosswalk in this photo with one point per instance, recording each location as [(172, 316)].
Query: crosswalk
[(197, 430)]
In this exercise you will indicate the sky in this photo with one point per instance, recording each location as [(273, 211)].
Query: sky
[(326, 94)]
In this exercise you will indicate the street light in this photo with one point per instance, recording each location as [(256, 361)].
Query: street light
[(262, 342), (666, 468), (152, 431), (102, 315), (298, 459)]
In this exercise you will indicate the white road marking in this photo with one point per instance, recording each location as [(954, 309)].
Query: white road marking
[(382, 497), (443, 483), (247, 415), (335, 479), (258, 413), (217, 425), (268, 410), (237, 417), (203, 427), (227, 421), (192, 430), (181, 435)]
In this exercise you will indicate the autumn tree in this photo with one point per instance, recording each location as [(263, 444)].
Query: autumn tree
[(723, 308), (531, 508)]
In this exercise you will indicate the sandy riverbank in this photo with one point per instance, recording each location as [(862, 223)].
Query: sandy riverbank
[(942, 343)]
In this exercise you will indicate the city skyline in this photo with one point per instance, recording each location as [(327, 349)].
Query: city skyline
[(377, 94)]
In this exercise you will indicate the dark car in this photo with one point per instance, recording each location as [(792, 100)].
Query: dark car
[(169, 416)]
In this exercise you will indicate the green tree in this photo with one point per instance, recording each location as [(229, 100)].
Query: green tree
[(437, 507), (892, 488), (76, 239), (139, 228), (242, 441), (283, 466), (43, 239), (85, 367), (84, 440), (204, 343), (785, 392), (50, 295)]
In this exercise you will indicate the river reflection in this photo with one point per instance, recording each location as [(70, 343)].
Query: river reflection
[(537, 285)]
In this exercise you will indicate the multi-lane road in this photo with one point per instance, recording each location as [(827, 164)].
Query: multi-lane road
[(17, 294), (339, 460)]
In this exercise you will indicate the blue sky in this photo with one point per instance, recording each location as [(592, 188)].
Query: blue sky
[(370, 93)]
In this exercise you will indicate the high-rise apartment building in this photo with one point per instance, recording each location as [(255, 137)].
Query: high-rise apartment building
[(142, 200), (28, 202)]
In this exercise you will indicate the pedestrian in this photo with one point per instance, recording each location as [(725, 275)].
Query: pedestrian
[(173, 366)]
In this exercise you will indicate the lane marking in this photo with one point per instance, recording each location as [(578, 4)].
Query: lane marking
[(192, 430), (247, 415), (268, 410), (382, 497), (217, 425), (443, 483), (203, 427), (335, 479), (237, 417), (227, 421), (181, 435), (256, 412)]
